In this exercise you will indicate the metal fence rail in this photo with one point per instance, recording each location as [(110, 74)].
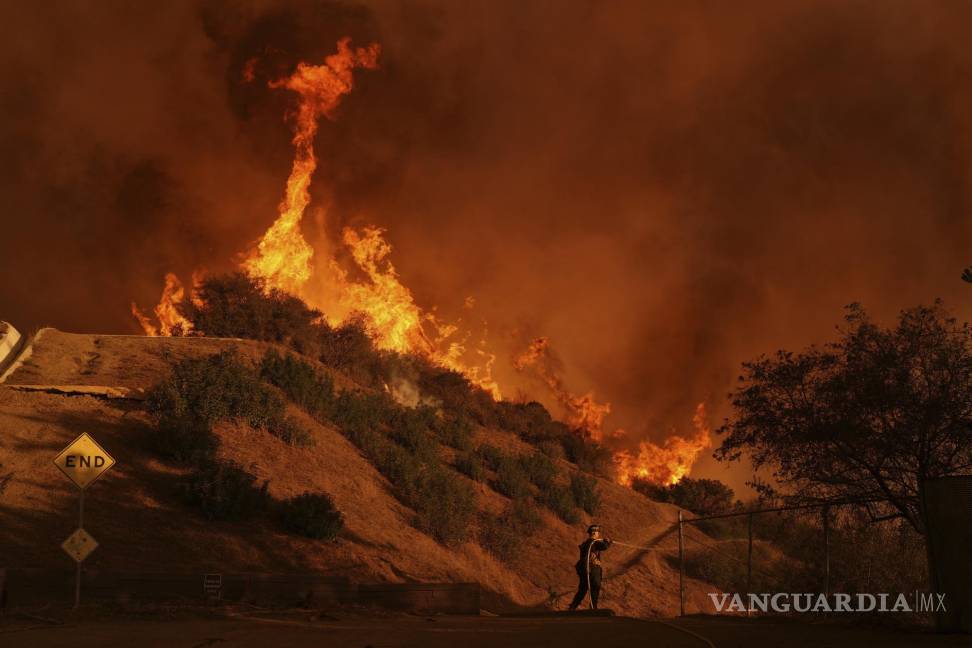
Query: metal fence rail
[(825, 517)]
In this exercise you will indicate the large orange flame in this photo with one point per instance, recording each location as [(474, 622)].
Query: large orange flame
[(167, 312), (283, 258), (668, 463), (583, 412)]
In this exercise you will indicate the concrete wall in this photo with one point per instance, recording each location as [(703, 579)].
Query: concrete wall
[(29, 587), (10, 344)]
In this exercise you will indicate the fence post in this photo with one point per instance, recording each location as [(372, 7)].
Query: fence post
[(681, 569), (749, 561), (826, 530)]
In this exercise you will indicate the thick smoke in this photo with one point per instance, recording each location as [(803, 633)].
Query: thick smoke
[(662, 192)]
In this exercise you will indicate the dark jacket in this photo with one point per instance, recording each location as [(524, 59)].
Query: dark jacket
[(596, 549)]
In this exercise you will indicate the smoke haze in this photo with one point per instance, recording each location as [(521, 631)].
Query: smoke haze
[(661, 191)]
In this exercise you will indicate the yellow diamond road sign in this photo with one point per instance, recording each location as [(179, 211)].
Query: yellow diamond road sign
[(79, 545), (84, 461)]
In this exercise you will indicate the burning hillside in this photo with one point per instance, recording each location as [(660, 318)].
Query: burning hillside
[(372, 289)]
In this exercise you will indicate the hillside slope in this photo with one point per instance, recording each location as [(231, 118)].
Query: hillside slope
[(141, 523)]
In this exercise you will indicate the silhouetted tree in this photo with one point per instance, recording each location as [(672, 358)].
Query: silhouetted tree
[(871, 417)]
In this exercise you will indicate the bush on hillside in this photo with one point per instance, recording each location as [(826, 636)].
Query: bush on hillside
[(701, 496), (306, 387), (356, 410), (559, 500), (552, 449), (237, 305), (224, 491), (185, 439), (203, 391), (290, 431), (584, 491), (587, 455), (502, 535), (492, 456), (215, 388), (471, 465), (530, 421), (454, 431), (411, 428), (350, 349), (444, 504), (539, 469), (312, 515), (456, 393), (511, 479)]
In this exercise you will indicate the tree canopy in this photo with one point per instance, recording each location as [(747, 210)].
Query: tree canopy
[(868, 418)]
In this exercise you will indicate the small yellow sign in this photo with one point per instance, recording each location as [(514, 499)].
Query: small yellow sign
[(79, 545), (84, 461)]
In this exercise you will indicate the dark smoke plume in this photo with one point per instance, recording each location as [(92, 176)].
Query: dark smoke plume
[(662, 191)]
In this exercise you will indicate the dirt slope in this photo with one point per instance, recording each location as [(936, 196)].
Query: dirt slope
[(136, 515)]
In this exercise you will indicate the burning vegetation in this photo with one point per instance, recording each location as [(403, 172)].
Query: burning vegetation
[(369, 301)]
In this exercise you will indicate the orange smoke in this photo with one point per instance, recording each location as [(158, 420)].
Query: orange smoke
[(583, 412), (668, 463), (283, 258), (372, 288), (167, 313)]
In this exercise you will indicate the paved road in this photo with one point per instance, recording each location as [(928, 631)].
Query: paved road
[(462, 632), (434, 632)]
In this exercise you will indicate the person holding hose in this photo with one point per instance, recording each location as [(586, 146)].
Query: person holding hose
[(588, 567)]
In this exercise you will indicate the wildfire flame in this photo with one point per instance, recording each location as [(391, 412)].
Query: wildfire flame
[(283, 258), (395, 321), (167, 312), (668, 463), (583, 412)]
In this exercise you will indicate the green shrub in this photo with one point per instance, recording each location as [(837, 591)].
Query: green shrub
[(410, 428), (587, 455), (584, 491), (471, 464), (525, 516), (456, 393), (354, 410), (350, 349), (185, 439), (216, 388), (511, 480), (290, 431), (312, 515), (203, 391), (445, 505), (530, 421), (402, 468), (701, 496), (300, 381), (492, 456), (503, 534), (539, 469), (224, 491), (552, 449), (454, 431), (559, 500), (237, 305)]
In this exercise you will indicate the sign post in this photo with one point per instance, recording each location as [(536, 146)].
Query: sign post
[(83, 461)]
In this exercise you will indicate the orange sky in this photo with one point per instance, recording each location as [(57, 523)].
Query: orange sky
[(662, 192)]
